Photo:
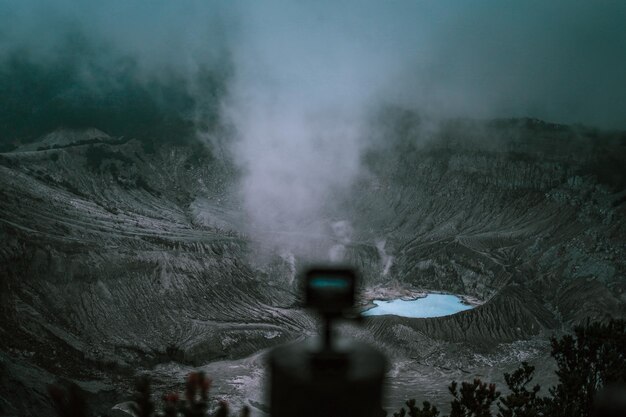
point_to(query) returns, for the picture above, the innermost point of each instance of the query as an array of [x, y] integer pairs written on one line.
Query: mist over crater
[[167, 171]]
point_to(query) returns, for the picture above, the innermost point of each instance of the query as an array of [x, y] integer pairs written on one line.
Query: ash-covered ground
[[119, 258]]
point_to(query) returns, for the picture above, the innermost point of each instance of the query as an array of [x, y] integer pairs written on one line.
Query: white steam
[[303, 84], [342, 231]]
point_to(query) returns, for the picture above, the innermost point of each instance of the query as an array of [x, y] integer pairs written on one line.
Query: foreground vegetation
[[592, 361], [591, 371]]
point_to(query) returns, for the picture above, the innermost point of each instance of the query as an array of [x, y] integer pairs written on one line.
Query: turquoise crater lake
[[433, 305]]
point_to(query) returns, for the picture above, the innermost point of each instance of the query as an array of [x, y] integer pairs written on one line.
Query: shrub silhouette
[[473, 399], [414, 411], [70, 402], [590, 360], [521, 402]]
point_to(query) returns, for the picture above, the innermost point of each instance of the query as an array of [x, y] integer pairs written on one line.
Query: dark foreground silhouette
[[591, 371]]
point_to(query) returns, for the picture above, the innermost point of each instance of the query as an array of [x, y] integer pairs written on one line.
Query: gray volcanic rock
[[61, 138], [119, 258]]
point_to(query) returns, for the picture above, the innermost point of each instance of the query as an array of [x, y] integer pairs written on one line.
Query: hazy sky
[[560, 60]]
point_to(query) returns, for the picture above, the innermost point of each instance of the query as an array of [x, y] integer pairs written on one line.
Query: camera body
[[332, 378], [307, 383]]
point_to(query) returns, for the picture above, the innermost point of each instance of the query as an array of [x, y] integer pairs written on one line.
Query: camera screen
[[331, 283]]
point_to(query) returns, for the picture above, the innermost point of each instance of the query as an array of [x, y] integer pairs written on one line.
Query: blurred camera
[[340, 376]]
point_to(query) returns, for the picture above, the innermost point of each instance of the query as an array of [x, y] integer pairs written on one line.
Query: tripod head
[[331, 293]]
